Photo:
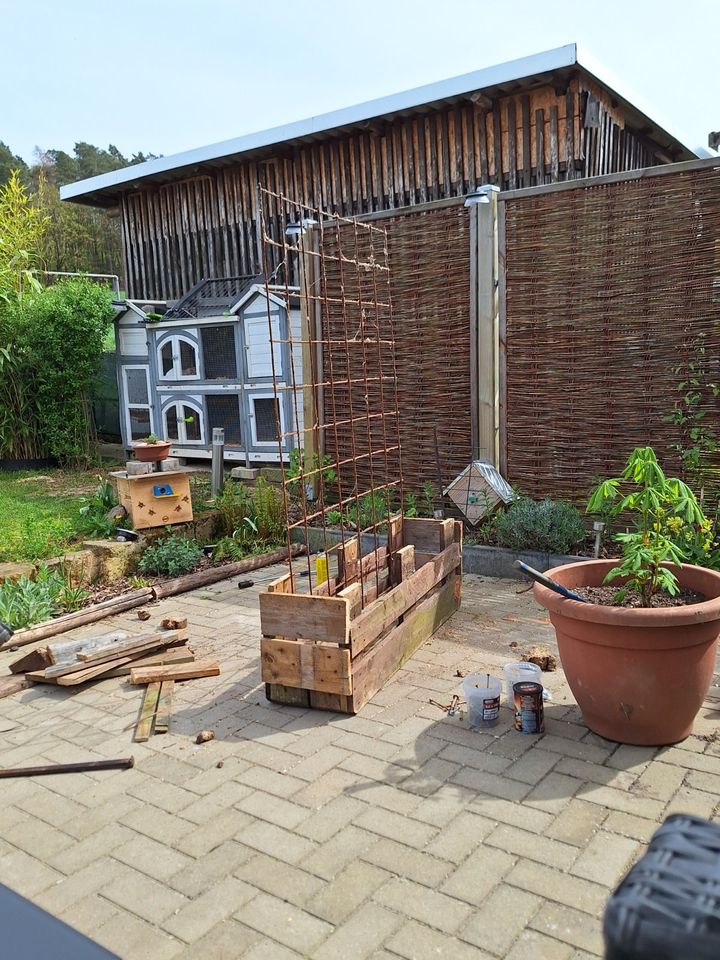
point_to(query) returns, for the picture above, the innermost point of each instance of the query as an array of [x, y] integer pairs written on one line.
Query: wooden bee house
[[156, 499]]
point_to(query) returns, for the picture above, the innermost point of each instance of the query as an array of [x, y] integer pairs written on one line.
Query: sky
[[169, 75]]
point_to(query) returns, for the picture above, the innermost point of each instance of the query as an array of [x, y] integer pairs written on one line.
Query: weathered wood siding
[[180, 233]]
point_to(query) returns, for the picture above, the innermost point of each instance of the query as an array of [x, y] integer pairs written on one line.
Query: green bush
[[171, 557], [268, 512], [94, 521], [550, 526], [24, 602]]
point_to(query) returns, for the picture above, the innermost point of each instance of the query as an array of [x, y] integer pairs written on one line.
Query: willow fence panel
[[612, 291]]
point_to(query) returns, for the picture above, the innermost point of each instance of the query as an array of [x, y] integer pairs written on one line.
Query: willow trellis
[[609, 290]]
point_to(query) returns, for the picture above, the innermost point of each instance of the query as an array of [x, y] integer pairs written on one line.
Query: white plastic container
[[519, 672], [482, 692]]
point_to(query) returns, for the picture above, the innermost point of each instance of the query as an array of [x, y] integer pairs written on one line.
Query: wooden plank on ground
[[161, 658], [304, 616], [131, 644], [377, 617], [89, 673], [144, 726], [308, 665], [13, 684], [179, 671], [330, 701], [289, 696], [36, 660], [162, 716], [64, 651], [373, 668], [62, 669]]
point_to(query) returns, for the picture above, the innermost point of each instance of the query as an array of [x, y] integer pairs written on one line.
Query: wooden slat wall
[[609, 290], [178, 234]]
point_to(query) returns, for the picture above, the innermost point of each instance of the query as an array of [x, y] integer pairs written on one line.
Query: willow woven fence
[[612, 292]]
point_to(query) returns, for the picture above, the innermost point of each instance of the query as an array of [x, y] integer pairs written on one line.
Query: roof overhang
[[502, 79]]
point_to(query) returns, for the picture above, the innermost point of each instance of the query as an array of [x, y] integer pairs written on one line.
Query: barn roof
[[501, 79]]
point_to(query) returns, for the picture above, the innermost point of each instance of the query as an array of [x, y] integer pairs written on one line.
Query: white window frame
[[136, 406], [252, 397], [196, 404], [176, 373]]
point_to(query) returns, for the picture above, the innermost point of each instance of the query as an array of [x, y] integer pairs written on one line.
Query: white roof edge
[[555, 59]]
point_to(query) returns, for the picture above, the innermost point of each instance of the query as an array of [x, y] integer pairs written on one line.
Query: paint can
[[529, 707]]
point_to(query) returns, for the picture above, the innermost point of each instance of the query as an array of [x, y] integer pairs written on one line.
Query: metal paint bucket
[[529, 712]]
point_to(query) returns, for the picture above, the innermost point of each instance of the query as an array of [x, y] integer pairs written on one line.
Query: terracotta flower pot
[[639, 675], [151, 452]]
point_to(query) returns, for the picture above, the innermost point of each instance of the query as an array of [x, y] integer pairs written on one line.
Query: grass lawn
[[39, 511]]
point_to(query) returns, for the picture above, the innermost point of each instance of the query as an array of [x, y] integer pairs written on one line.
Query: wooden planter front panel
[[325, 652]]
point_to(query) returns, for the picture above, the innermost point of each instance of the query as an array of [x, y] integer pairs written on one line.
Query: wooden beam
[[403, 564]]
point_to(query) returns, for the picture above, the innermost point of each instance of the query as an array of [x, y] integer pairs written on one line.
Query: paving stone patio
[[399, 833]]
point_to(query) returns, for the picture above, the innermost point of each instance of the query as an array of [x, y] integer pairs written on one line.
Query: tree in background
[[78, 238], [22, 231]]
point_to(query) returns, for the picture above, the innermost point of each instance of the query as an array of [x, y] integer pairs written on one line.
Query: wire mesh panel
[[341, 385], [218, 348], [224, 411]]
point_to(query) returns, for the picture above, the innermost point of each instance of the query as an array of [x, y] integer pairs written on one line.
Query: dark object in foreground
[[547, 582], [668, 905], [29, 933], [244, 584], [50, 769]]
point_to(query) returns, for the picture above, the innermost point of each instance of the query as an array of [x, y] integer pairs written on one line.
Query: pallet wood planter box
[[331, 652]]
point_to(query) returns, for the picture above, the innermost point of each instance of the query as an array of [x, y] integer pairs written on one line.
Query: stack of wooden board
[[336, 648], [72, 662]]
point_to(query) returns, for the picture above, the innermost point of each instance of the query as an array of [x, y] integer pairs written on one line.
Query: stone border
[[481, 560]]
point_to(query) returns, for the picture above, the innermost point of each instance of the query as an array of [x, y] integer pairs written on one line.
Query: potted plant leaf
[[640, 655], [151, 449]]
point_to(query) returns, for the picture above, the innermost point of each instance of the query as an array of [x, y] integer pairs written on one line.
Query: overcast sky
[[169, 75]]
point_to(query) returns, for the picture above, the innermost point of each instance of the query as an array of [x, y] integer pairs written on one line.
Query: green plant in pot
[[151, 449], [641, 667]]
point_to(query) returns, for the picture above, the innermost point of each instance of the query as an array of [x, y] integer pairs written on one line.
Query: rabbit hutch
[[208, 361]]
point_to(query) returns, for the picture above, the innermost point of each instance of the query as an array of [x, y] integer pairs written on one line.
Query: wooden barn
[[545, 118]]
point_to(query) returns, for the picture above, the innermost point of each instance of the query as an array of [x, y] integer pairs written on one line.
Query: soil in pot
[[606, 597]]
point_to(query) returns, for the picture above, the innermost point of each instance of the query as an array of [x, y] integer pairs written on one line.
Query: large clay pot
[[639, 675], [151, 452]]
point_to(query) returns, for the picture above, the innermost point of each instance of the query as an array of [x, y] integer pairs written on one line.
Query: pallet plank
[[306, 665], [304, 616], [180, 671], [144, 726], [373, 668], [377, 617], [162, 716]]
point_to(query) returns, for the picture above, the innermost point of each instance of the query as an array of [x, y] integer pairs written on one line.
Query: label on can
[[491, 709], [529, 712]]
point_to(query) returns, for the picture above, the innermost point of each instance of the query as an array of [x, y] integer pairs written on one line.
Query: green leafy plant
[[95, 521], [24, 602], [309, 471], [139, 583], [658, 507], [428, 499], [545, 525], [171, 556], [152, 439], [268, 513], [233, 504], [698, 440], [411, 506]]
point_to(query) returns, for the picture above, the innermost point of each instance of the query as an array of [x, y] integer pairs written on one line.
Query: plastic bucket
[[482, 693], [519, 672]]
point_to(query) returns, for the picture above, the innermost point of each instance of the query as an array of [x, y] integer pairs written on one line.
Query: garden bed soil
[[605, 597]]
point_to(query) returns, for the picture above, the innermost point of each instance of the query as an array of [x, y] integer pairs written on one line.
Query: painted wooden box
[[156, 499]]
